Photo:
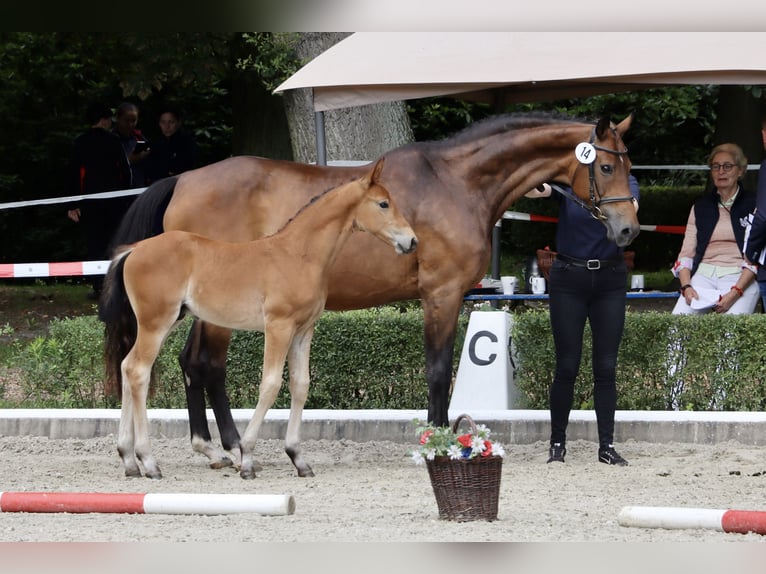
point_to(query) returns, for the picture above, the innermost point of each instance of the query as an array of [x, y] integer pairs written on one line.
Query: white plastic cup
[[636, 282], [509, 283], [538, 285]]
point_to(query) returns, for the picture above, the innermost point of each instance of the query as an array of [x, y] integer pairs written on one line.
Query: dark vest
[[706, 213]]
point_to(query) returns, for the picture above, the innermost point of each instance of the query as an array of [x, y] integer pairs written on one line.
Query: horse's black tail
[[120, 329], [144, 217]]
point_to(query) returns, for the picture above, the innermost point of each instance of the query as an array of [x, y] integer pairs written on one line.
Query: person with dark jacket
[[98, 164], [714, 274], [134, 144], [755, 237], [588, 282], [173, 153]]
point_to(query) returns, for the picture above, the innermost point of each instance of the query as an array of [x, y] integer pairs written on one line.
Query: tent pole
[[496, 230], [320, 138], [496, 249]]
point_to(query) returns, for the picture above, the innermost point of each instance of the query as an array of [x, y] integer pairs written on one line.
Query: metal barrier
[[545, 296]]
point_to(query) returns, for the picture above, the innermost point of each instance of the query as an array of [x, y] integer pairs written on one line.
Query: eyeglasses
[[725, 167]]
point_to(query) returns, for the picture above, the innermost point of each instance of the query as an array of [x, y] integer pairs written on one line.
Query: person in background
[[133, 142], [588, 281], [173, 153], [97, 164], [755, 236], [714, 274]]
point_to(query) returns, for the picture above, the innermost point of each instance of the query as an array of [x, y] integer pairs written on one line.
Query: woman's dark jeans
[[577, 294]]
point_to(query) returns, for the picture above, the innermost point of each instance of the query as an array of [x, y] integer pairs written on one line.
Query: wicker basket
[[466, 489]]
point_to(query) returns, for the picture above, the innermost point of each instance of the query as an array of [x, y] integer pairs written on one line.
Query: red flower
[[426, 435], [465, 440], [487, 449]]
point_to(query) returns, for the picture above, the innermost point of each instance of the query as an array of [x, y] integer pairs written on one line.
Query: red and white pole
[[151, 503], [739, 521]]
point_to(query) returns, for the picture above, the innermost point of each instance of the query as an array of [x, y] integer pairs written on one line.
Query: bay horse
[[451, 191], [276, 284]]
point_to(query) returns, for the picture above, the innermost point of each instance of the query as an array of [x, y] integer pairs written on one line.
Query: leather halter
[[595, 196]]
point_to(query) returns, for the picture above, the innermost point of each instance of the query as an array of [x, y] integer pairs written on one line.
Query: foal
[[277, 285]]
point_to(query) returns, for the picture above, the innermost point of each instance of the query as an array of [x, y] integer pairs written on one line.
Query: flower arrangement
[[445, 441]]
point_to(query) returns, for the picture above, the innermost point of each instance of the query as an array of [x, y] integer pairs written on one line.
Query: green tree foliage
[[48, 81], [272, 56], [671, 125]]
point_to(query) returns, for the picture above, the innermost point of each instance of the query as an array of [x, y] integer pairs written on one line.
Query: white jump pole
[[739, 521], [147, 503]]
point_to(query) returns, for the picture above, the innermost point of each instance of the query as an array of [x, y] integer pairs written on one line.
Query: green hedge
[[374, 359], [359, 359], [708, 362]]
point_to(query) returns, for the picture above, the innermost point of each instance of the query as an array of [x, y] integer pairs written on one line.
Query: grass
[[27, 308]]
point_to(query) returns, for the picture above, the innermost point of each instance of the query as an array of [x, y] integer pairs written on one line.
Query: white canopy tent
[[508, 67]]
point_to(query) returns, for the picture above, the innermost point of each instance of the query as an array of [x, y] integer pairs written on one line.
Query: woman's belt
[[592, 264]]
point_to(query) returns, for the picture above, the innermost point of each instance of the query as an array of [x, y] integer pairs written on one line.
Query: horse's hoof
[[133, 473], [223, 462], [305, 472], [247, 475], [156, 475]]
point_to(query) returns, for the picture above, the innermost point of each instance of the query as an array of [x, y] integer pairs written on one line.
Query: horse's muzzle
[[407, 245]]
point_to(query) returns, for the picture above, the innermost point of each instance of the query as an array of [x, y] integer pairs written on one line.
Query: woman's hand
[[689, 293], [726, 301]]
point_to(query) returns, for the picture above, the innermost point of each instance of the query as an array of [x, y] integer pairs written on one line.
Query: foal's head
[[377, 213]]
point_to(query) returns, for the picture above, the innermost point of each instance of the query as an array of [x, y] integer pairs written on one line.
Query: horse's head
[[600, 178], [377, 214]]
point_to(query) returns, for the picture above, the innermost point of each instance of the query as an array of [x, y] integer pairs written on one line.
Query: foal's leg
[[125, 436], [298, 361], [274, 354], [137, 370]]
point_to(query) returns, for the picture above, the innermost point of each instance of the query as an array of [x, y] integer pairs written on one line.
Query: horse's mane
[[502, 123], [308, 204]]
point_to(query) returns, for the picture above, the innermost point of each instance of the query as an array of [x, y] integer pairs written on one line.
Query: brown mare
[[276, 285], [452, 192]]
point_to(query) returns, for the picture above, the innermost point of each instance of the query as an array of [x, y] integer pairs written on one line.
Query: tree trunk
[[739, 121], [360, 133]]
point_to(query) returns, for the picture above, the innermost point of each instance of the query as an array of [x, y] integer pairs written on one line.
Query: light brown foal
[[277, 285]]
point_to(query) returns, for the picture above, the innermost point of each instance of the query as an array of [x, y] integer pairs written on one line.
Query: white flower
[[477, 444], [431, 453], [483, 431], [454, 452], [418, 458], [498, 449]]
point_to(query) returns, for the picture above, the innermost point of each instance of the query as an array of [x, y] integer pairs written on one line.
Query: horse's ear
[[376, 171], [601, 127], [623, 126]]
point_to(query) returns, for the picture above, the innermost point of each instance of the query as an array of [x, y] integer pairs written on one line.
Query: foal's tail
[[120, 329]]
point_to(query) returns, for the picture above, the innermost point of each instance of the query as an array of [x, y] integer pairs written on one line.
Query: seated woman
[[713, 272]]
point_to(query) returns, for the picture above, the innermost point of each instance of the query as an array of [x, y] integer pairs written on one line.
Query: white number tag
[[585, 153]]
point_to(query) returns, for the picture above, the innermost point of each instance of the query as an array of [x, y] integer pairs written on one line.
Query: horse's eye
[[607, 169], [383, 204]]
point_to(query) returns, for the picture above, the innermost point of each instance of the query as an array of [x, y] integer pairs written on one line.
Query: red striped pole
[[151, 503], [735, 521], [520, 216]]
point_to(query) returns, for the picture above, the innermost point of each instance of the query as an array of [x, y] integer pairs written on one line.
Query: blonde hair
[[733, 150]]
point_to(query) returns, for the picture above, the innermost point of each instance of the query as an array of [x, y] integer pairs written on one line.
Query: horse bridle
[[595, 196]]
